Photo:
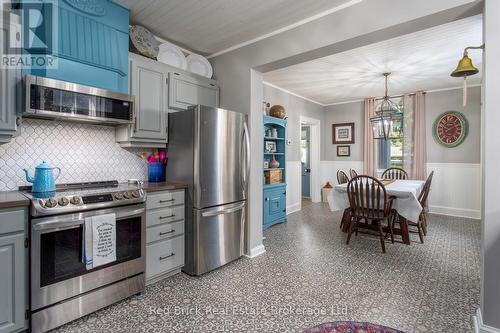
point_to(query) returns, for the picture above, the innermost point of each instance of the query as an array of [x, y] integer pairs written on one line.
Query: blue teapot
[[44, 180]]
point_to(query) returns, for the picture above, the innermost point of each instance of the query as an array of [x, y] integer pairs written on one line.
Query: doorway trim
[[315, 148]]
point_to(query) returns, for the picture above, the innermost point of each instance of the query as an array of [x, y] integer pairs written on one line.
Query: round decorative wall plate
[[450, 129]]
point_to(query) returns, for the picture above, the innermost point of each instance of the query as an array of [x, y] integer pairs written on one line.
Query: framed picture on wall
[[343, 133], [343, 151], [270, 146]]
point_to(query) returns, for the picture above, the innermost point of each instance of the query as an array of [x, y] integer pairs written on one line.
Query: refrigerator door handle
[[246, 171], [218, 211]]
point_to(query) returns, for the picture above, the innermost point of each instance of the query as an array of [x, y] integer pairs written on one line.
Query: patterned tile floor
[[309, 276]]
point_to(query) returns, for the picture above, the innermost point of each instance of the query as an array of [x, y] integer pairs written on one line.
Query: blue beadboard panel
[[92, 45]]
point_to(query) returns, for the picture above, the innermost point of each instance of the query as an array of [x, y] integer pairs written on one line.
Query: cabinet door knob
[[267, 199]]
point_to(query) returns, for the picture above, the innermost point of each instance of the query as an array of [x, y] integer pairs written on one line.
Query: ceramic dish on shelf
[[144, 41], [172, 55], [199, 65]]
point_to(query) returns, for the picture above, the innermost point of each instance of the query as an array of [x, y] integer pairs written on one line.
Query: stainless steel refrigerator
[[208, 149]]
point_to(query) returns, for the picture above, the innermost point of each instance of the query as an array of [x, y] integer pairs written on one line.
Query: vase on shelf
[[274, 163]]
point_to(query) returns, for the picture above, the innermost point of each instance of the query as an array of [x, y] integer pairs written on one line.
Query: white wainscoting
[[456, 187], [293, 186], [329, 170]]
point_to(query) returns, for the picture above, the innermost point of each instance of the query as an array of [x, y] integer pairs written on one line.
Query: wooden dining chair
[[353, 173], [342, 177], [370, 208], [421, 224], [422, 198], [394, 173]]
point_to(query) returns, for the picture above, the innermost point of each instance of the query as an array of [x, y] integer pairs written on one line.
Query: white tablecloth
[[405, 191]]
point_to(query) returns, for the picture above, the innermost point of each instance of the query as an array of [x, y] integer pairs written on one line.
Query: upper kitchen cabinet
[[189, 89], [159, 89], [92, 44], [9, 80], [148, 84]]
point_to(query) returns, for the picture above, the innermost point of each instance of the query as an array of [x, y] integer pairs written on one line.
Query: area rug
[[350, 327]]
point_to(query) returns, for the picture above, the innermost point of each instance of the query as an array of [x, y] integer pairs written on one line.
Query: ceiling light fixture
[[466, 68], [387, 122]]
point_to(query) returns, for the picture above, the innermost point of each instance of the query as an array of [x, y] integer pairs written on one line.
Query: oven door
[[57, 272]]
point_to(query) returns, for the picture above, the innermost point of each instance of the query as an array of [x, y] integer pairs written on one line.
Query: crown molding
[[288, 27], [292, 93]]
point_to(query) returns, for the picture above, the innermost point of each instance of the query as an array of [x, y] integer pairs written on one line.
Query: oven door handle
[[74, 220]]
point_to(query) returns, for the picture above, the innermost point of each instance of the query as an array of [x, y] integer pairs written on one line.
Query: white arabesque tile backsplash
[[83, 152]]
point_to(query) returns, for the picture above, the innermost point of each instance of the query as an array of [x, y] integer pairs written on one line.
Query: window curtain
[[414, 145], [369, 144]]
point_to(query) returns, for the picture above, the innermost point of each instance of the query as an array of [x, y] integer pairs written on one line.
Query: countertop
[[12, 199], [162, 186]]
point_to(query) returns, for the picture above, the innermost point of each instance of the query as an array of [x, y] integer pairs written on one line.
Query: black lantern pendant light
[[388, 120]]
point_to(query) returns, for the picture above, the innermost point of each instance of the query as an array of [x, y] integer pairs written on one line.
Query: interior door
[[305, 157], [221, 168]]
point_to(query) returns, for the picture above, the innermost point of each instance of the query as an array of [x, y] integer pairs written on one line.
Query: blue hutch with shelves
[[274, 177]]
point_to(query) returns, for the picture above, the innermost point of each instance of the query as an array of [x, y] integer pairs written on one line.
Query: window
[[390, 152]]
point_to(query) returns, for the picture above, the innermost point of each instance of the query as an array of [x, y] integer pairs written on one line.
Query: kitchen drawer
[[12, 220], [164, 231], [164, 256], [164, 199], [164, 215]]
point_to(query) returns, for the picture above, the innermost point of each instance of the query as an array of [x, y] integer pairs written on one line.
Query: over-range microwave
[[55, 99]]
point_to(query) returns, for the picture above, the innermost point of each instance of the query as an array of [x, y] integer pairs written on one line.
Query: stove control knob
[[75, 200], [50, 203], [118, 196], [127, 195], [135, 194], [63, 201]]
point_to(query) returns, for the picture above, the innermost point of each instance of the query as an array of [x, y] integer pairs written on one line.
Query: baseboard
[[480, 327], [294, 208], [458, 212], [256, 251]]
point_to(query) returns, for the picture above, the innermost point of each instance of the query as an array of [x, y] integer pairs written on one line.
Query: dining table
[[405, 194]]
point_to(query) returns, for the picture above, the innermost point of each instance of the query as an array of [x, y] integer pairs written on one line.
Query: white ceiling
[[418, 61], [210, 26]]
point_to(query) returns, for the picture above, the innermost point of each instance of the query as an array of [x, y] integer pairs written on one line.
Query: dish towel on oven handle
[[99, 240]]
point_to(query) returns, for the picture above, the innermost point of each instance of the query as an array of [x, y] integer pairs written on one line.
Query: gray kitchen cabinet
[[148, 84], [9, 80], [159, 89], [189, 89], [164, 234], [13, 271]]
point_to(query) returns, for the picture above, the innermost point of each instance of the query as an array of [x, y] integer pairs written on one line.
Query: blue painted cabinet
[[92, 44], [274, 205], [274, 150]]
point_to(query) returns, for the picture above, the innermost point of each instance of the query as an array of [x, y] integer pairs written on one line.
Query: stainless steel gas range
[[62, 287]]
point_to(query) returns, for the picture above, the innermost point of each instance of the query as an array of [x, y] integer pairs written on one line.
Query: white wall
[[490, 277], [295, 108], [448, 196], [340, 31]]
